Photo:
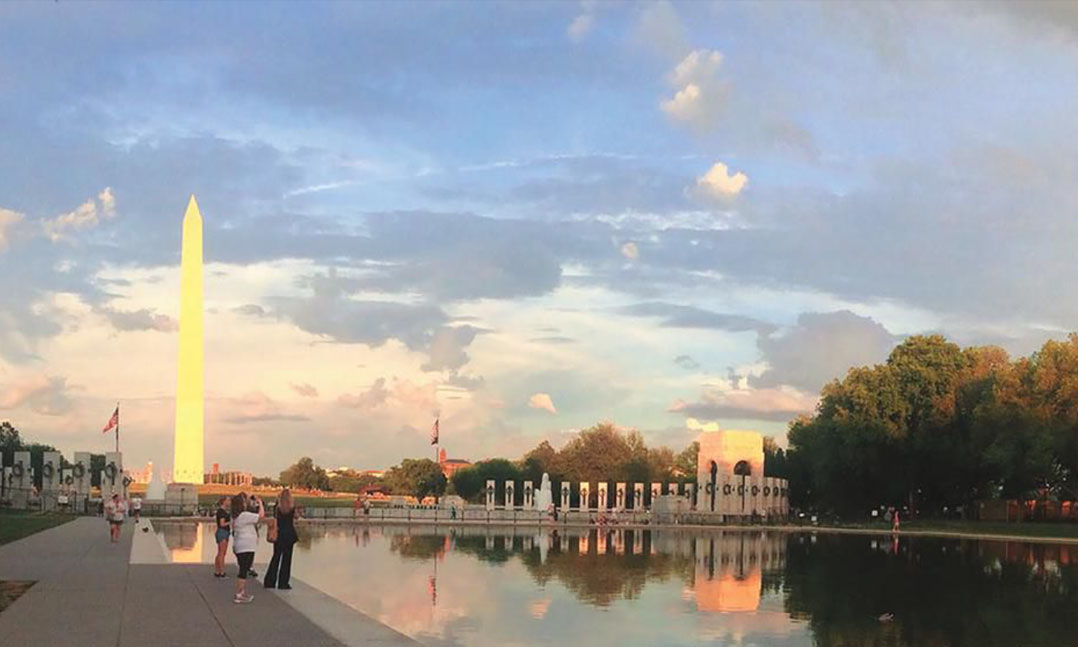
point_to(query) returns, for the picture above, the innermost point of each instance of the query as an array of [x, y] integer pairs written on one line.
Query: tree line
[[938, 426]]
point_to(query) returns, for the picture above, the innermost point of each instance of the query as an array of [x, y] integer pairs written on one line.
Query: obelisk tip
[[192, 208]]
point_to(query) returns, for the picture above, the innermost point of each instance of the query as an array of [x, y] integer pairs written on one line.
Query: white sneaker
[[243, 599]]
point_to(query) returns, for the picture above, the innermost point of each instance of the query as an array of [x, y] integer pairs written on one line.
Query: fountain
[[543, 500], [155, 491]]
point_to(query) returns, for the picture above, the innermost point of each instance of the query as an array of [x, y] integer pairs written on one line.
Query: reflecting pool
[[504, 586]]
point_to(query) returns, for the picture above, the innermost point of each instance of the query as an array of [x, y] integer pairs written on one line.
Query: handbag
[[271, 531]]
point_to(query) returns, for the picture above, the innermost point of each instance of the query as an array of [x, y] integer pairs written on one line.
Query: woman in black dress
[[280, 566]]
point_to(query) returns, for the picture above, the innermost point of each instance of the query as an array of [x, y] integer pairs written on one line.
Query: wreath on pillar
[[17, 470], [741, 490], [755, 490], [47, 471], [709, 488], [110, 472], [490, 491], [767, 490], [128, 481], [68, 480], [79, 470], [726, 489], [565, 491]]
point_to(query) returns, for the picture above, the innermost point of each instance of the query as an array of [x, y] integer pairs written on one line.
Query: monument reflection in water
[[523, 586]]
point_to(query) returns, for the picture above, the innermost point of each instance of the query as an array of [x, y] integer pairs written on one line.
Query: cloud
[[85, 216], [630, 251], [446, 349], [250, 310], [258, 407], [542, 401], [580, 27], [682, 316], [782, 403], [686, 362], [9, 220], [366, 400], [142, 319], [305, 390], [660, 28], [40, 393], [719, 183], [821, 347], [700, 95]]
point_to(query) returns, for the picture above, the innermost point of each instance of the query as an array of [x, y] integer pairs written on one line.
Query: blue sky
[[523, 218]]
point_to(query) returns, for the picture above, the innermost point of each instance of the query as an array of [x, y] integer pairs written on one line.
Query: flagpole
[[117, 427]]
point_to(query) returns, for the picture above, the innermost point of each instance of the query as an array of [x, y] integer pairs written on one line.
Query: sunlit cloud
[[85, 216], [719, 183], [542, 401]]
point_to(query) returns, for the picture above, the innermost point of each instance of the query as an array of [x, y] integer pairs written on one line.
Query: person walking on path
[[136, 508], [223, 521], [245, 542], [115, 510], [895, 522], [284, 538]]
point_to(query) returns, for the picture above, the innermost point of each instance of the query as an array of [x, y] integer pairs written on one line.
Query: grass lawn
[[16, 525]]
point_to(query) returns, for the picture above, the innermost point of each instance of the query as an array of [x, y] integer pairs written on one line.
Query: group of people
[[238, 518]]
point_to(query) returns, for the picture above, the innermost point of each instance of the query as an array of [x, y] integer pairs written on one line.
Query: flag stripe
[[113, 421]]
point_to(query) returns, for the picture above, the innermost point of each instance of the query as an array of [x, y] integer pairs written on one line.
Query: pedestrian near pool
[[284, 538], [245, 541], [115, 510], [223, 521], [895, 521], [136, 508]]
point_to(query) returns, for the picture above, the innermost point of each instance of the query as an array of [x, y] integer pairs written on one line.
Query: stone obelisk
[[187, 451]]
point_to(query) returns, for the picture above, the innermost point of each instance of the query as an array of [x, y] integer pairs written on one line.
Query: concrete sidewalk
[[88, 594]]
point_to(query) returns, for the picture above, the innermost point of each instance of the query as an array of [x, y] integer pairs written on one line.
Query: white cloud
[[781, 403], [86, 215], [542, 401], [630, 251], [700, 93], [580, 27], [719, 183], [8, 221], [661, 28], [700, 66]]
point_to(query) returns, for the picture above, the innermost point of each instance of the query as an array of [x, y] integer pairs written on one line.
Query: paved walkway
[[88, 595]]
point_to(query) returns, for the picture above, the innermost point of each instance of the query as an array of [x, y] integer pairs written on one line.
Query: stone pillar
[[619, 489], [508, 495], [638, 496], [80, 479], [22, 480], [490, 494], [656, 491], [50, 479], [603, 502], [566, 491], [585, 494], [112, 477], [529, 496]]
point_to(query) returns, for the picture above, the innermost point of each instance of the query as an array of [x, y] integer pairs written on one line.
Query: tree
[[422, 477], [467, 483], [352, 481], [685, 463], [538, 461], [306, 475], [596, 454]]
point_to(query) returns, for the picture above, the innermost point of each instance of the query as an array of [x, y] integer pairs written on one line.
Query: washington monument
[[187, 450]]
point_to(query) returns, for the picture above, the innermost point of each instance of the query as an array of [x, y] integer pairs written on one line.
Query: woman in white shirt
[[245, 542]]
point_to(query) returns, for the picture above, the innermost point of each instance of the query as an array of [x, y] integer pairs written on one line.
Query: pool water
[[525, 586]]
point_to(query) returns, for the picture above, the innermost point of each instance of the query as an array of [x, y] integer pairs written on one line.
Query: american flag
[[114, 420], [434, 433]]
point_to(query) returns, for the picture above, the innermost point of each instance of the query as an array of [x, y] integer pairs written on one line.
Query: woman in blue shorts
[[223, 521]]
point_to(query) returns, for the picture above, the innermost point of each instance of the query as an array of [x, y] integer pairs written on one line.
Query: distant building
[[217, 477], [451, 465]]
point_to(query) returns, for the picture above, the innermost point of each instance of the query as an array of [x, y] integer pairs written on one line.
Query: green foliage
[[11, 441], [420, 478], [467, 483], [939, 426], [306, 475]]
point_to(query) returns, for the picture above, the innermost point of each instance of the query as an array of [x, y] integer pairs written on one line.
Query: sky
[[521, 219]]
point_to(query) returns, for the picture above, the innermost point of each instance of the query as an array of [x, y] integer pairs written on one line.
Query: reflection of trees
[[423, 547], [594, 578], [940, 592]]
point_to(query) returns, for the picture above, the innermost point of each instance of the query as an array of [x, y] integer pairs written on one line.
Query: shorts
[[221, 535], [245, 560], [115, 522]]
